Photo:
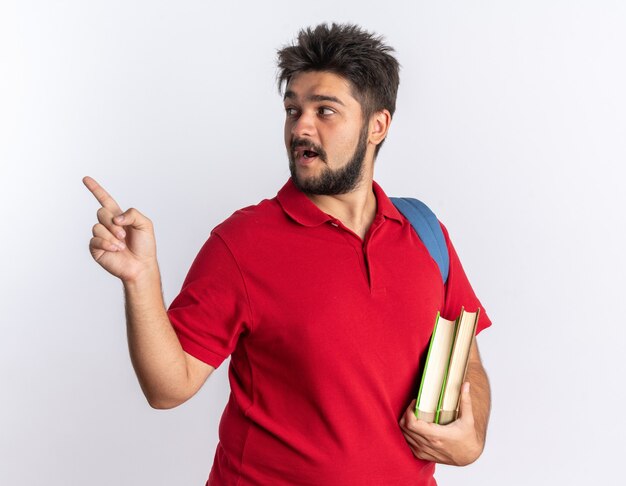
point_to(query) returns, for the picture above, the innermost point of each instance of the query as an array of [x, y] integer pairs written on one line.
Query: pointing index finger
[[103, 197]]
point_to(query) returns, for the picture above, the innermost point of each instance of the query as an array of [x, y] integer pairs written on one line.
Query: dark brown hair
[[350, 52]]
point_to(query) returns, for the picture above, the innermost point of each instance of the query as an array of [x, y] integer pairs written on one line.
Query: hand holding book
[[461, 441], [457, 444]]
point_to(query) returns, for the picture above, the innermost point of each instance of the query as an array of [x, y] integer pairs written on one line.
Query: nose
[[303, 126]]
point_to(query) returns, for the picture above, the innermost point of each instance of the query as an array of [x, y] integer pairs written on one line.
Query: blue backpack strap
[[427, 227]]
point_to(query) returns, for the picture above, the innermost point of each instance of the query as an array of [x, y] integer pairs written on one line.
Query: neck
[[356, 209]]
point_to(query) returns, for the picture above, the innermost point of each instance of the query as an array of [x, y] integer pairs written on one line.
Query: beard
[[331, 182]]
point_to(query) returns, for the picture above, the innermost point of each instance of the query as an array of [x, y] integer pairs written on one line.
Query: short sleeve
[[212, 309], [459, 292]]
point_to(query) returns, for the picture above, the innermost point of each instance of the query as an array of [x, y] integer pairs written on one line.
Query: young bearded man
[[323, 297]]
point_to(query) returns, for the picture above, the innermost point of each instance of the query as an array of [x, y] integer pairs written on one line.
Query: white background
[[511, 124]]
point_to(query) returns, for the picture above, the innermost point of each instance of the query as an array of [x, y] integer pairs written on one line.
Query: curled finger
[[101, 241], [416, 438], [419, 448], [105, 217], [425, 456], [101, 231]]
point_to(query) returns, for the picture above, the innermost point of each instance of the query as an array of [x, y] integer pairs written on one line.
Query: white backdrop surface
[[510, 124]]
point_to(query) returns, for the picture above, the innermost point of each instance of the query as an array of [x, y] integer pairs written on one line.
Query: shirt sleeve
[[212, 309], [459, 292]]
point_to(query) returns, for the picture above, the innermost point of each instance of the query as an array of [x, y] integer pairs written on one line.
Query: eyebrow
[[290, 95]]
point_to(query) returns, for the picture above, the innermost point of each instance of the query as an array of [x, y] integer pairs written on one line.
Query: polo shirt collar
[[302, 210], [384, 206]]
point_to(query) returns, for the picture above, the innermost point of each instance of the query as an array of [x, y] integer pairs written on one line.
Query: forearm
[[155, 351], [481, 394]]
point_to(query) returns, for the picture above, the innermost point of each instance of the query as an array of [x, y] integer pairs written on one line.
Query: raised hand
[[123, 242]]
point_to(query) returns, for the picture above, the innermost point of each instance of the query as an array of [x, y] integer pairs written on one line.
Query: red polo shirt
[[326, 333]]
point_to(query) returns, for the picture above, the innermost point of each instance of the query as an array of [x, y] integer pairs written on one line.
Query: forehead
[[315, 84]]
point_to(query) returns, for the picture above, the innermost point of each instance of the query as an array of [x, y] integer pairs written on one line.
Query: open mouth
[[309, 154], [305, 151]]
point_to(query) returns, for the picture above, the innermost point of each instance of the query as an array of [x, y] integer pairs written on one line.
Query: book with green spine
[[435, 369]]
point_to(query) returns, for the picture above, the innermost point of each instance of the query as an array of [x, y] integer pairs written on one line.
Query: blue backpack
[[427, 227]]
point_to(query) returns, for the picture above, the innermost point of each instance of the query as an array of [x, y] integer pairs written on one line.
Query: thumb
[[465, 407], [132, 217]]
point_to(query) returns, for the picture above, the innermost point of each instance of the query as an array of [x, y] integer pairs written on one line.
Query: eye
[[291, 112], [325, 111]]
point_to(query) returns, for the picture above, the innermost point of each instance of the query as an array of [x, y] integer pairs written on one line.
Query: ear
[[379, 126]]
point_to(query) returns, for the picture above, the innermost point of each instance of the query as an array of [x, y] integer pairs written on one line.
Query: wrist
[[144, 278], [472, 451]]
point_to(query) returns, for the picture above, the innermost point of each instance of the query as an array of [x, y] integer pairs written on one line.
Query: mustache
[[303, 142]]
